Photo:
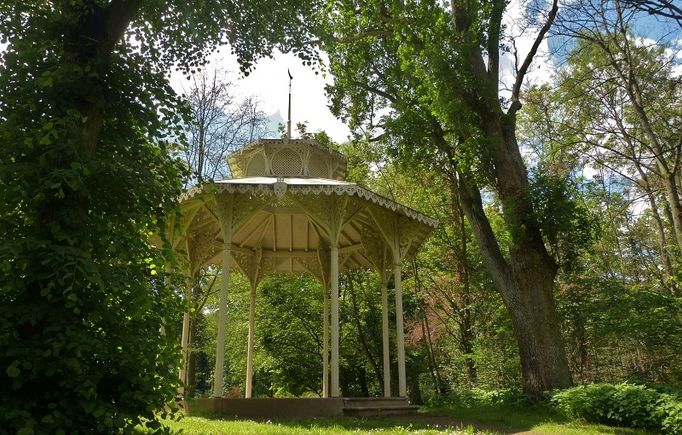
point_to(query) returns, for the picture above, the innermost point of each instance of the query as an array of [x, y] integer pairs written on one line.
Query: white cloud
[[541, 69]]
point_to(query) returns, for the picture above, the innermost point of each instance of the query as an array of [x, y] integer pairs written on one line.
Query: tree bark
[[526, 279], [526, 284]]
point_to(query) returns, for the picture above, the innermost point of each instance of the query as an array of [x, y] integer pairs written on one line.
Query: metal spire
[[288, 137]]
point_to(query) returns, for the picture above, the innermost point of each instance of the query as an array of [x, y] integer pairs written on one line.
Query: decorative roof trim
[[234, 186]]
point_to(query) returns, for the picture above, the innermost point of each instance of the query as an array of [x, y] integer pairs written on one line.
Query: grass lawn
[[327, 426], [538, 419], [451, 420]]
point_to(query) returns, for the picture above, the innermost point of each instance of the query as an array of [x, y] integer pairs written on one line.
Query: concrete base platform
[[266, 408], [377, 406], [299, 408]]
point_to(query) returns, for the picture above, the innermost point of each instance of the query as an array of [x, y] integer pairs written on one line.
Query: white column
[[226, 224], [334, 278], [325, 340], [184, 344], [249, 350], [400, 333], [222, 313], [385, 337]]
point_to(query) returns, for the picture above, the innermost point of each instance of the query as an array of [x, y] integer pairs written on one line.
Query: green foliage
[[290, 325], [82, 290], [567, 225], [671, 408], [479, 397], [616, 332], [623, 404], [620, 320], [89, 129]]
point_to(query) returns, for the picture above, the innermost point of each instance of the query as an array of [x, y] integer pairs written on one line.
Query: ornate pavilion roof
[[284, 215]]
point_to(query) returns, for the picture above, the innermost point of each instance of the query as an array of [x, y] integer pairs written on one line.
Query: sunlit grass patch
[[203, 425], [536, 418], [579, 428]]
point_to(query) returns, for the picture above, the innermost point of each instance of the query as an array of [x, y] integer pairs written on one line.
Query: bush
[[671, 410], [623, 404], [478, 397]]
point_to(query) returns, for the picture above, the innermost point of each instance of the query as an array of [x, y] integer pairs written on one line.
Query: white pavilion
[[287, 209]]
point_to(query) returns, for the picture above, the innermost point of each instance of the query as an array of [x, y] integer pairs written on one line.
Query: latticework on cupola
[[287, 158]]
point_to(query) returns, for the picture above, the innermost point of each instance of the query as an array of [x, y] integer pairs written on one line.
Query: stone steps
[[377, 406]]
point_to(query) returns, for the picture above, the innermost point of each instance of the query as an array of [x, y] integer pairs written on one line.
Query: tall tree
[[661, 8], [221, 123], [87, 123], [618, 104], [433, 74]]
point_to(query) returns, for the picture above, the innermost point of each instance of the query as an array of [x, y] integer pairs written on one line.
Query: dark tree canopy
[[89, 129]]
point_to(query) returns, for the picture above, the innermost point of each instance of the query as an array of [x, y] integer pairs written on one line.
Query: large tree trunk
[[526, 284], [526, 279], [543, 360]]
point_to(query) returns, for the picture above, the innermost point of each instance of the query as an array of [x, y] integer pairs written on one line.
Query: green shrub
[[478, 397], [671, 411], [623, 404]]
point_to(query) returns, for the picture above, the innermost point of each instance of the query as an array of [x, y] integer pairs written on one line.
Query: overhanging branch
[[521, 74]]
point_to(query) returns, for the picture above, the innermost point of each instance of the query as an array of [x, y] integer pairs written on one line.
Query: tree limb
[[521, 74]]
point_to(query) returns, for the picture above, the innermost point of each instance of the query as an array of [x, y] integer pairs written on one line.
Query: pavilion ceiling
[[286, 232]]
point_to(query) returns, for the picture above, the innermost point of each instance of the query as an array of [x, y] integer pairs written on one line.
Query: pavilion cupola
[[305, 158]]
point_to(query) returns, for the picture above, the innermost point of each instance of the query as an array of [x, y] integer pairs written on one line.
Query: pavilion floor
[[265, 408]]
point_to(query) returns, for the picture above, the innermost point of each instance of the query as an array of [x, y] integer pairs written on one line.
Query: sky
[[269, 83]]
